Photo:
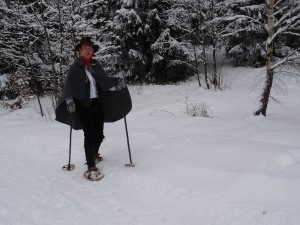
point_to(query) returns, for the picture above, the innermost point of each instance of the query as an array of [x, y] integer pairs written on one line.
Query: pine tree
[[171, 60], [96, 21], [245, 38], [130, 32], [198, 23], [185, 19], [138, 25], [20, 40], [36, 38]]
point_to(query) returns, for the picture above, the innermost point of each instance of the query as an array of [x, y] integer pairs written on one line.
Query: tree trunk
[[269, 63], [61, 39], [56, 91], [54, 74], [215, 77], [197, 65], [33, 79], [73, 30], [205, 68]]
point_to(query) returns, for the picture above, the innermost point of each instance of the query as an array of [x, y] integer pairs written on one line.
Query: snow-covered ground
[[231, 169]]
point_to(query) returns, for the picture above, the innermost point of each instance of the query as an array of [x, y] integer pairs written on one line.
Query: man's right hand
[[120, 85], [71, 107]]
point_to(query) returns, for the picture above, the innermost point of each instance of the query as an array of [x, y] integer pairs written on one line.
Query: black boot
[[97, 156], [89, 155]]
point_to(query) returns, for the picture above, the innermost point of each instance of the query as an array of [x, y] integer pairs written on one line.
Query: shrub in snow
[[20, 83], [14, 104], [3, 86], [17, 88], [197, 108], [137, 66]]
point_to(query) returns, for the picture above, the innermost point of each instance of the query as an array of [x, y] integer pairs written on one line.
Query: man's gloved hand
[[120, 85], [71, 107]]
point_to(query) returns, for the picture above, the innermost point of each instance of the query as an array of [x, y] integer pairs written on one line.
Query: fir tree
[[171, 60], [245, 38]]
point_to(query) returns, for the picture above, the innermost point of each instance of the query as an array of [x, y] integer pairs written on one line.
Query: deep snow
[[232, 169]]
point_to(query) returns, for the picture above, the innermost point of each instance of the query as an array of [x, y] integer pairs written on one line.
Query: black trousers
[[92, 117]]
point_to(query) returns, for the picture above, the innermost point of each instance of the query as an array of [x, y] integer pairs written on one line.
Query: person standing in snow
[[89, 99]]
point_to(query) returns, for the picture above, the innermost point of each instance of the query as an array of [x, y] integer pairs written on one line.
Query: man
[[89, 99]]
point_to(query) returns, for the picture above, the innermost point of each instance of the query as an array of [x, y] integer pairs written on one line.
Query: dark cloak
[[117, 104]]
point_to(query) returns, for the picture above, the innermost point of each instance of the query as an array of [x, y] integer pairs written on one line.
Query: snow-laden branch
[[288, 18], [232, 33], [289, 58], [280, 11], [277, 3], [236, 17], [293, 33], [272, 38], [284, 29], [231, 28]]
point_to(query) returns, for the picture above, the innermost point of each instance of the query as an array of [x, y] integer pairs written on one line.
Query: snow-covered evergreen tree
[[133, 32], [197, 22], [185, 22], [138, 26], [171, 60], [244, 37], [20, 41], [96, 22]]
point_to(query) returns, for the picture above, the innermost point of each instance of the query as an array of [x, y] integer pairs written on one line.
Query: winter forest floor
[[232, 168]]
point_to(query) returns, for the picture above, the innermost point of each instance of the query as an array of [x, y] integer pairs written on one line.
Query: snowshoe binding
[[98, 158], [93, 174]]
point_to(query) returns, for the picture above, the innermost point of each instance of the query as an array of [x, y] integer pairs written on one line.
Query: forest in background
[[145, 41]]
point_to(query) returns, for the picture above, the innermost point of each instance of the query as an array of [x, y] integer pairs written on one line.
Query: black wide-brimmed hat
[[86, 41]]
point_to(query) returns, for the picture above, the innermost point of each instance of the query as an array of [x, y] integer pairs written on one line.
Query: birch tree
[[281, 23], [283, 20]]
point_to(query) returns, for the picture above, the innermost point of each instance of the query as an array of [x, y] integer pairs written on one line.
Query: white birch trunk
[[269, 62]]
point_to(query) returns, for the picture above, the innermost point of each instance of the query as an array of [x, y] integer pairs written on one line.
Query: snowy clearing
[[231, 169]]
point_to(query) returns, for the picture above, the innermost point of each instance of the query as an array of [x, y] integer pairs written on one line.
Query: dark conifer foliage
[[171, 60], [138, 25], [245, 41], [246, 32]]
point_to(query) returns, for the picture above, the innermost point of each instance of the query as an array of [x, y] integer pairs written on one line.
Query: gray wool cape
[[117, 104]]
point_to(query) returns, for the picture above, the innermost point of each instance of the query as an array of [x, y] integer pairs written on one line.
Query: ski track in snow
[[161, 189]]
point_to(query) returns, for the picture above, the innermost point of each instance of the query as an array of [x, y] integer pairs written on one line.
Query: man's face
[[86, 51]]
